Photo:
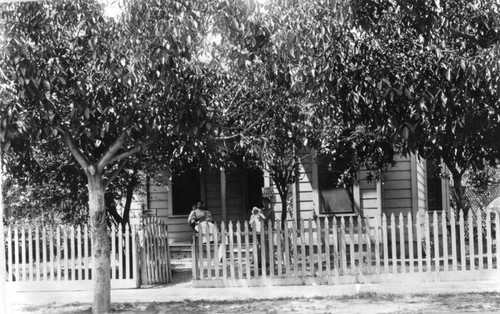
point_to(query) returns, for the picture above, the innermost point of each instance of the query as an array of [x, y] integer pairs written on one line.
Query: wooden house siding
[[158, 200], [397, 187]]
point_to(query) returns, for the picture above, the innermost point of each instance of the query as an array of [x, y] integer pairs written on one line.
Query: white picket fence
[[349, 250], [60, 257]]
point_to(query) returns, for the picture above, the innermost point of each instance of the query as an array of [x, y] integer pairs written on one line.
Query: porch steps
[[180, 250]]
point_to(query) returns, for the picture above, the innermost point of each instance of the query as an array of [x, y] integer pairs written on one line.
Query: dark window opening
[[434, 189], [335, 197], [185, 191], [255, 184]]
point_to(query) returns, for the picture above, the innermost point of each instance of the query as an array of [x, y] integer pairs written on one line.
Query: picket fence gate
[[354, 249], [59, 257]]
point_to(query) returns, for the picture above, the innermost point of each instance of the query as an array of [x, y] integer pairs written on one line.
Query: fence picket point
[[79, 247], [319, 247], [58, 248], [394, 244], [361, 255], [385, 242], [435, 225], [444, 231], [270, 230], [247, 250], [38, 253], [489, 258], [369, 251], [30, 258], [351, 247], [312, 257], [224, 257], [327, 247], [336, 258], [480, 239], [66, 253], [418, 226], [51, 248], [453, 241], [497, 240], [23, 252], [128, 270], [238, 243], [303, 257], [113, 252], [231, 250], [44, 253], [217, 253], [279, 249], [73, 254], [10, 265], [402, 243], [286, 250], [135, 257], [410, 242], [472, 258], [343, 249], [428, 252], [295, 245], [87, 267], [463, 261]]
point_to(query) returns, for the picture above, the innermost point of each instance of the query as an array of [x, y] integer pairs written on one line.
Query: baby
[[257, 218]]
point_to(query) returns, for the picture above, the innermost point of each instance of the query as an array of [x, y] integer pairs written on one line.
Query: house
[[411, 186]]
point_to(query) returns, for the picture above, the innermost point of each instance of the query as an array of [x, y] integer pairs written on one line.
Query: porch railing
[[348, 249]]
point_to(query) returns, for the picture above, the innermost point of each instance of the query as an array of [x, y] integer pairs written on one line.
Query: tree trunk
[[101, 247], [128, 200], [459, 191]]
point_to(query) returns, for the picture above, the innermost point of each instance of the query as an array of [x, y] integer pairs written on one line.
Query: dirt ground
[[362, 303], [359, 303]]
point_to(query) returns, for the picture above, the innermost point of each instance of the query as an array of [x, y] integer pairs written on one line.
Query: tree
[[103, 89], [441, 61]]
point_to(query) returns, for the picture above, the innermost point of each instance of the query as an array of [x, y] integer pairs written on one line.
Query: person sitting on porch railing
[[199, 214]]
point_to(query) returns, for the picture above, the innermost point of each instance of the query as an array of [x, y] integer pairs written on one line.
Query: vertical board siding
[[335, 247]]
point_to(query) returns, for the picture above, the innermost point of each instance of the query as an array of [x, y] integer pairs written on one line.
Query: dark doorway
[[255, 184], [185, 191]]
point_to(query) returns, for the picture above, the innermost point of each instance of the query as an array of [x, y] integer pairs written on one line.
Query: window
[[333, 196], [185, 191]]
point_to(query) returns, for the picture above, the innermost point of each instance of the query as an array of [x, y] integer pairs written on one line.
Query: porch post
[[223, 196], [315, 187]]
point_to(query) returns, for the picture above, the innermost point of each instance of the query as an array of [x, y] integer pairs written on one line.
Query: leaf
[[448, 74], [86, 113]]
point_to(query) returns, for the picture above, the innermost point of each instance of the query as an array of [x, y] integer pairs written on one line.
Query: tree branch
[[115, 173], [112, 150], [137, 148], [75, 151]]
